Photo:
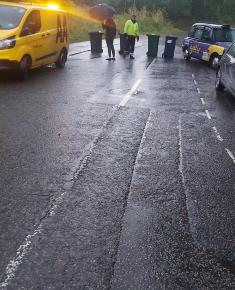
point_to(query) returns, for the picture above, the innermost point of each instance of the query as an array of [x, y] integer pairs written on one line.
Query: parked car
[[208, 42], [225, 76], [32, 35]]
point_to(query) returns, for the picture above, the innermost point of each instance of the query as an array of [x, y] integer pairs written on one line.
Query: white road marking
[[230, 154], [130, 93], [21, 252], [152, 63], [198, 90], [217, 134], [208, 114], [181, 152], [141, 146], [203, 101], [195, 82], [193, 76]]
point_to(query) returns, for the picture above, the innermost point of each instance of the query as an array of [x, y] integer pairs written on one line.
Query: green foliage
[[149, 22], [194, 10]]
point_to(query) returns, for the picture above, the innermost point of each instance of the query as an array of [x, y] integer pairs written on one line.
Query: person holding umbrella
[[131, 31], [110, 33], [104, 13]]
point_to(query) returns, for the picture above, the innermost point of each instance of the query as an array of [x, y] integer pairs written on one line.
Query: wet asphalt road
[[100, 196]]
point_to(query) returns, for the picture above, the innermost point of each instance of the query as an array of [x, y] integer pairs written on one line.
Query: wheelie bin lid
[[96, 32]]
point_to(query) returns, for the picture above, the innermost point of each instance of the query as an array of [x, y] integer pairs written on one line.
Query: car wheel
[[60, 63], [218, 84], [214, 61], [24, 68], [186, 54]]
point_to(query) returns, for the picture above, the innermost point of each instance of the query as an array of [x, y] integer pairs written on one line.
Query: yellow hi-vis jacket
[[131, 28]]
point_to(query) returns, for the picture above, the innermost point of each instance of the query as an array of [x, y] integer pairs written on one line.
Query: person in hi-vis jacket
[[131, 31]]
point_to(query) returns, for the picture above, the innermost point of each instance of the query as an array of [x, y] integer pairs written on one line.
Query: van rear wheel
[[60, 63], [24, 68]]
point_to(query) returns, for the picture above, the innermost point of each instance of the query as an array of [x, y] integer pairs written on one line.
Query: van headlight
[[8, 43]]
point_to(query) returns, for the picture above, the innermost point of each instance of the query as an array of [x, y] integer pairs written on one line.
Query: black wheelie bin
[[123, 44], [96, 42], [153, 41], [170, 44]]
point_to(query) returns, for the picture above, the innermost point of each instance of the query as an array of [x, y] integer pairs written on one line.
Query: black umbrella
[[102, 12]]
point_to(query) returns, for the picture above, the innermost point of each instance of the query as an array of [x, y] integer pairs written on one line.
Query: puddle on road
[[139, 93], [118, 91]]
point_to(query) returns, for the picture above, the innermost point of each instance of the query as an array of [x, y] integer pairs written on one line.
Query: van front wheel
[[24, 68], [60, 63]]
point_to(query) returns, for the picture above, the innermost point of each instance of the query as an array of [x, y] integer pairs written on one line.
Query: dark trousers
[[110, 46], [131, 44]]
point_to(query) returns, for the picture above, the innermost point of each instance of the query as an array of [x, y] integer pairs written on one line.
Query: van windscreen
[[10, 16]]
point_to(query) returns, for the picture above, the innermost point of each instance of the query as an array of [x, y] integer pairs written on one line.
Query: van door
[[49, 27], [62, 31], [54, 25], [32, 38]]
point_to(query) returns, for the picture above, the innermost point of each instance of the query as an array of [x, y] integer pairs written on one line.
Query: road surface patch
[[81, 239], [156, 249], [218, 136], [213, 214]]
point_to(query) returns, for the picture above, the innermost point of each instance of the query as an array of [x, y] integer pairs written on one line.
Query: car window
[[32, 24], [198, 33], [224, 35], [10, 16], [191, 32], [206, 35], [231, 51]]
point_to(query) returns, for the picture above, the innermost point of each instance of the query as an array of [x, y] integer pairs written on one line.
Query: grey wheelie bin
[[96, 42], [170, 44], [153, 41]]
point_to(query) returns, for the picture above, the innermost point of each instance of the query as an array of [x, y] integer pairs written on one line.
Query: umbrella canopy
[[102, 12]]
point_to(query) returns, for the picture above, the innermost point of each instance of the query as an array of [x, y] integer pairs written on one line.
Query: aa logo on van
[[62, 32]]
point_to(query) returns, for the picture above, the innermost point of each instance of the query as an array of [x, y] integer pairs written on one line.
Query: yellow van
[[32, 36]]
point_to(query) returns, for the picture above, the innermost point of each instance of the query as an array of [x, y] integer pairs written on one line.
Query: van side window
[[32, 24], [198, 33]]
